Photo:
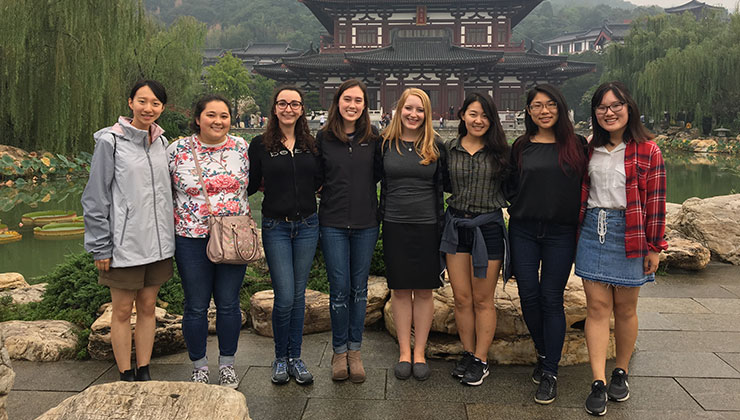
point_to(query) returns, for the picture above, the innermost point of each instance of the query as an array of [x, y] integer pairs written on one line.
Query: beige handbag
[[233, 239]]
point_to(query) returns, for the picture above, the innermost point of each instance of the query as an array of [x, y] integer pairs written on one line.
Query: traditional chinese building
[[445, 47], [594, 39], [697, 8]]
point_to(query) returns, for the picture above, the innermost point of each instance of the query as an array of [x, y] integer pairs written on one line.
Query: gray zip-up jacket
[[127, 201]]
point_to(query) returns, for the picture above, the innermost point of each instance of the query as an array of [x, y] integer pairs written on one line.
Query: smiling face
[[146, 108], [611, 121], [288, 115], [543, 110], [476, 121], [351, 104], [214, 122], [412, 115]]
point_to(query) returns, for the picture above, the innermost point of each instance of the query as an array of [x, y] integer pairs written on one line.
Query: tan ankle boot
[[356, 370], [339, 367]]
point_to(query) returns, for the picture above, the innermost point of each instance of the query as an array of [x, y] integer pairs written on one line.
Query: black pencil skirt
[[411, 254]]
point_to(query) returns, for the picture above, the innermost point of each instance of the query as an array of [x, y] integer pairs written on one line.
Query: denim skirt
[[601, 256]]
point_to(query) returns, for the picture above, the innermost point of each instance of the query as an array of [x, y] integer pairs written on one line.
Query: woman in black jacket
[[348, 146]]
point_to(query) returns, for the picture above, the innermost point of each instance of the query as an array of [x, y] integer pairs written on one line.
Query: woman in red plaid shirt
[[621, 234]]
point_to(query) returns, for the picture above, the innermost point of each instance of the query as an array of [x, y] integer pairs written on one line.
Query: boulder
[[715, 223], [703, 145], [167, 335], [212, 317], [671, 214], [317, 316], [684, 253], [7, 377], [40, 341], [12, 281], [516, 350], [510, 322], [152, 400], [512, 343], [23, 295]]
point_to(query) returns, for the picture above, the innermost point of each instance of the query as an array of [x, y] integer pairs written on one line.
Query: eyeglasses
[[615, 107], [295, 105], [538, 106]]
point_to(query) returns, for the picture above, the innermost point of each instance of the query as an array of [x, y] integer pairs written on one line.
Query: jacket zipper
[[125, 223], [154, 196], [349, 207], [295, 183]]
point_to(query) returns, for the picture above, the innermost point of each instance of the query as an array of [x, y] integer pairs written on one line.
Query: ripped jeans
[[347, 253], [289, 251]]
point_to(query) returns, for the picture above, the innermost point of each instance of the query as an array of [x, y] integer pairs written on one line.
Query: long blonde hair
[[424, 143]]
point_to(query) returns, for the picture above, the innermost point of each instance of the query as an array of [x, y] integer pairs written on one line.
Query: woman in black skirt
[[411, 210]]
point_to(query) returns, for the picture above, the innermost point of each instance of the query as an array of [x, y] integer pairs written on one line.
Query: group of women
[[599, 203]]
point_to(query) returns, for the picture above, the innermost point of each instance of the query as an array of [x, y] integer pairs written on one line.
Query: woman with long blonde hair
[[412, 212]]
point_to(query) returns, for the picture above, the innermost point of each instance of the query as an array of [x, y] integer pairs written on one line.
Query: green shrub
[[175, 124]]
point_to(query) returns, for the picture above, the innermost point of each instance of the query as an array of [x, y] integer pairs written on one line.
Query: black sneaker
[[548, 389], [537, 372], [619, 389], [462, 365], [596, 400], [476, 373]]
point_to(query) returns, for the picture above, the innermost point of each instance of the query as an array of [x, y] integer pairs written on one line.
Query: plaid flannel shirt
[[645, 188]]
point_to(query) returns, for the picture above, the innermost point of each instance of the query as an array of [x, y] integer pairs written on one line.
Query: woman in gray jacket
[[129, 227]]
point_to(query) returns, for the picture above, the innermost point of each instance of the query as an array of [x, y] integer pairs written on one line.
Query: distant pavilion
[[447, 48]]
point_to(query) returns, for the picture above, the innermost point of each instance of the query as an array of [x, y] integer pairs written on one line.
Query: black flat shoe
[[402, 370]]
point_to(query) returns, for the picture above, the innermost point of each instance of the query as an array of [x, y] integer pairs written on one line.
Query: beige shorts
[[138, 276]]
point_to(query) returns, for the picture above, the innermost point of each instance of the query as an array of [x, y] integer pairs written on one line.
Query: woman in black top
[[284, 161], [410, 203], [349, 227], [549, 162]]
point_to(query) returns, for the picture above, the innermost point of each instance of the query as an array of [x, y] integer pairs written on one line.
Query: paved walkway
[[687, 366]]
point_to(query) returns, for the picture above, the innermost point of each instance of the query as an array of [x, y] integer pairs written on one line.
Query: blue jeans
[[200, 279], [289, 251], [347, 253], [541, 294]]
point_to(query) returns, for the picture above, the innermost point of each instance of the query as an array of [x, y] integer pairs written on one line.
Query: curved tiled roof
[[318, 62], [516, 61], [424, 51]]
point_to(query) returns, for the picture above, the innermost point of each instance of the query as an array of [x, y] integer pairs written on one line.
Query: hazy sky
[[727, 4]]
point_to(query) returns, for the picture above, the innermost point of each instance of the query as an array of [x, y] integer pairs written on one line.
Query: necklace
[[410, 147]]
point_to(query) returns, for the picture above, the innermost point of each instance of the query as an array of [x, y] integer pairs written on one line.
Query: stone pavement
[[686, 366]]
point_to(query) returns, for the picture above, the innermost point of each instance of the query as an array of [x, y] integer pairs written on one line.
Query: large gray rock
[[684, 253], [512, 343], [40, 341], [7, 377], [317, 316], [715, 223], [12, 281], [24, 295], [167, 334], [152, 400], [672, 211]]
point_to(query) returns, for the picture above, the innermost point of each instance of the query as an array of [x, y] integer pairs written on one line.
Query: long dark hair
[[157, 89], [570, 149], [200, 105], [494, 138], [335, 122], [272, 137], [634, 130]]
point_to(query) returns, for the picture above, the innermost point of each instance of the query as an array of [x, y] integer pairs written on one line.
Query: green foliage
[[174, 123], [261, 89], [578, 91], [679, 64], [66, 67], [235, 23], [230, 78]]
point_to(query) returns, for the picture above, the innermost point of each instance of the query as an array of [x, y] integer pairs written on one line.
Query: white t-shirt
[[608, 178]]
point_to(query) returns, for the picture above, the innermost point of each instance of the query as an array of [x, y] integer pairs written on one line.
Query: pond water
[[688, 175]]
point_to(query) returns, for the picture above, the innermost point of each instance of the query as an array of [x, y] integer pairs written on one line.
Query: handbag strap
[[200, 178], [200, 173]]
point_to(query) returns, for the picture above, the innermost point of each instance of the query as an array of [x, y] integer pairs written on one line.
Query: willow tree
[[65, 67], [676, 63]]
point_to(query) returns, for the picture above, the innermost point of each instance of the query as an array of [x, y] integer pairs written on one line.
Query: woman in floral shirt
[[225, 169]]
